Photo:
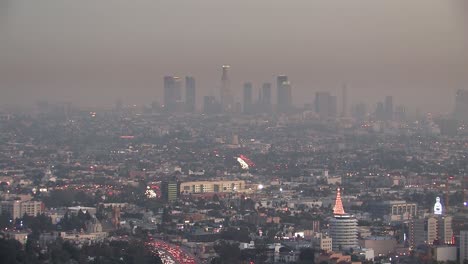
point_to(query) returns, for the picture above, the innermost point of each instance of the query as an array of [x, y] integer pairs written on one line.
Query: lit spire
[[338, 209]]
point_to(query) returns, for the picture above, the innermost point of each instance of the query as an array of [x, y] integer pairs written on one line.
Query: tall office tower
[[170, 190], [431, 230], [343, 227], [119, 105], [248, 104], [172, 93], [344, 101], [265, 101], [333, 107], [388, 108], [169, 93], [445, 230], [211, 106], [461, 105], [416, 232], [325, 105], [463, 246], [227, 97], [448, 127], [359, 111], [190, 95], [400, 113], [380, 111], [284, 94]]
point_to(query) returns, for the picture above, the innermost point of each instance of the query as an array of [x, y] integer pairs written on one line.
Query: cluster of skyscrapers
[[325, 104], [173, 94], [173, 99]]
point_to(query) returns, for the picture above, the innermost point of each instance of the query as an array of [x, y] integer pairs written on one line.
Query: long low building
[[212, 186]]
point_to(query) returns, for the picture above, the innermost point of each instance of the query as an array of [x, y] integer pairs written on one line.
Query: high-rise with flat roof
[[344, 101], [388, 108], [265, 98], [284, 93], [463, 246], [461, 105], [325, 105], [170, 190], [248, 104], [172, 93], [190, 94]]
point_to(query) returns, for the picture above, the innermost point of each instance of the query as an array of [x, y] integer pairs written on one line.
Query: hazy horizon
[[94, 52]]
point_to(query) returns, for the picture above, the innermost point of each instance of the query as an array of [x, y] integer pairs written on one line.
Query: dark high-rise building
[[333, 107], [172, 93], [448, 127], [325, 105], [388, 108], [248, 104], [400, 113], [170, 190], [210, 105], [460, 112], [359, 111], [265, 98], [190, 95], [284, 94], [380, 111], [344, 101], [227, 98]]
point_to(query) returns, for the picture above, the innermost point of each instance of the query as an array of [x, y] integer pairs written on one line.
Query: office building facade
[[284, 93], [190, 94]]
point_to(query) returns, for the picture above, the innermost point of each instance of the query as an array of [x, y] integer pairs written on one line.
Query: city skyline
[[375, 48], [234, 132]]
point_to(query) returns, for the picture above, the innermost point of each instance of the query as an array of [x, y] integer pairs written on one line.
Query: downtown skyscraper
[[227, 98], [284, 93], [388, 108], [460, 112], [172, 93], [265, 98], [190, 94], [325, 105], [248, 102]]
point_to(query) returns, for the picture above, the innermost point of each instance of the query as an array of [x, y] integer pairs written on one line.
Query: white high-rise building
[[343, 227]]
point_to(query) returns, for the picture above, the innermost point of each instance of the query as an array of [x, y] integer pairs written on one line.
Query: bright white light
[[260, 186], [150, 193], [243, 164], [437, 207]]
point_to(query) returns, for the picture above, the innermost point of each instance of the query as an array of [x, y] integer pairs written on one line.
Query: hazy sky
[[95, 51]]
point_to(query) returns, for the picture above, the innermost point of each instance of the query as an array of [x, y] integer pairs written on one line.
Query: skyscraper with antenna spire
[[227, 98]]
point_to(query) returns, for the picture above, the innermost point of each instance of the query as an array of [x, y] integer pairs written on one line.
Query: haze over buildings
[[91, 53]]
